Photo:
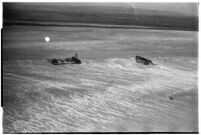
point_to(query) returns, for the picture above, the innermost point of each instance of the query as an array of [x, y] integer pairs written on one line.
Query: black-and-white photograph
[[99, 67]]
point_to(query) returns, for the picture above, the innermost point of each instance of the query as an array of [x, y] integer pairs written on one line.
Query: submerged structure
[[143, 61], [73, 60]]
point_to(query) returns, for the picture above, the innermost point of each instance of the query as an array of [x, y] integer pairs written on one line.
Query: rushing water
[[109, 91]]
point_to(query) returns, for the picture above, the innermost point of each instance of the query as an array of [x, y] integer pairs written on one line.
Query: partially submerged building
[[143, 61]]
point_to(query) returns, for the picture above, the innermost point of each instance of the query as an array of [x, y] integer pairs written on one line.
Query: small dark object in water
[[170, 97], [143, 61], [73, 60]]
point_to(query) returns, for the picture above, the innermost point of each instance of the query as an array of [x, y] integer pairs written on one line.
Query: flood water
[[109, 91]]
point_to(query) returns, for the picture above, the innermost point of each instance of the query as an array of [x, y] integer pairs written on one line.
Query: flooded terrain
[[109, 91]]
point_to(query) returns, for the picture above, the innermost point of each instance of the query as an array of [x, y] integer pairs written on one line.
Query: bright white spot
[[47, 39]]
